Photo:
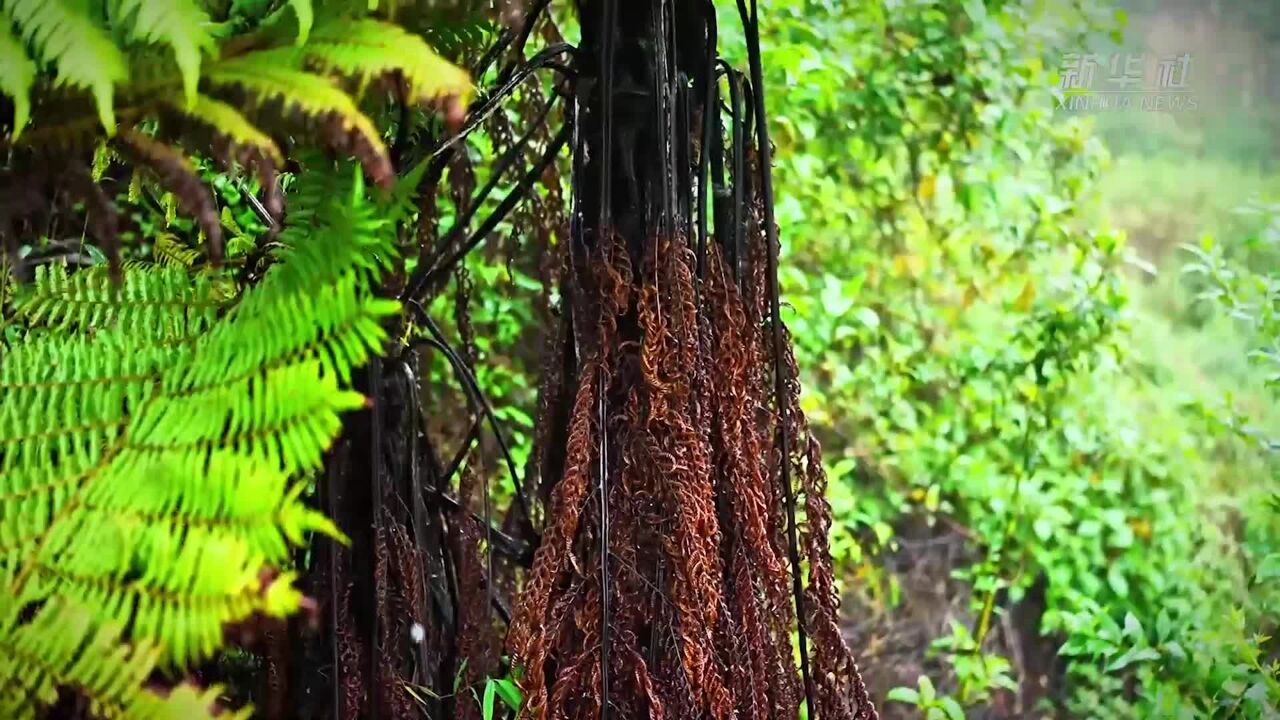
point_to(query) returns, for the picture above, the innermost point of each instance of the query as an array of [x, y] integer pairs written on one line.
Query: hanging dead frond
[[179, 177]]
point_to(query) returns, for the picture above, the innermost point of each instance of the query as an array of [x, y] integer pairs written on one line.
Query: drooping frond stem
[[472, 387], [750, 23], [733, 232], [604, 226], [501, 166], [177, 174], [531, 17], [464, 448], [710, 134], [491, 103]]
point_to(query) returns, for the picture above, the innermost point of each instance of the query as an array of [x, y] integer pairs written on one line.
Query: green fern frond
[[454, 35], [370, 48], [166, 531], [306, 17], [166, 304], [303, 262], [152, 447], [182, 25], [194, 583], [340, 326], [325, 241], [64, 644], [81, 380], [284, 416], [276, 76], [254, 505], [228, 122], [80, 52], [17, 74], [171, 251], [103, 156]]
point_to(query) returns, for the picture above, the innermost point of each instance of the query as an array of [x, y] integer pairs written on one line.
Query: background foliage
[[1042, 504]]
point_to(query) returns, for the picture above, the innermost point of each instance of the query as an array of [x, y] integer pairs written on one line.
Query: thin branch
[[477, 396], [424, 277]]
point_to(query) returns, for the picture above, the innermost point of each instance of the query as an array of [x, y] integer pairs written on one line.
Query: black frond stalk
[[750, 23]]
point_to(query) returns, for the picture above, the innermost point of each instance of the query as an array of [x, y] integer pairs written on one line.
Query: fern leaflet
[[276, 75], [306, 17], [81, 53], [17, 74], [64, 644], [370, 48], [180, 24], [228, 122]]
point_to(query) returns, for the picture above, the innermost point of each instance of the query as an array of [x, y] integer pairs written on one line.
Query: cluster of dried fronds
[[666, 548], [691, 499]]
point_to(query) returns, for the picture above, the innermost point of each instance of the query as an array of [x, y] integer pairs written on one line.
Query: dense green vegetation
[[1041, 500]]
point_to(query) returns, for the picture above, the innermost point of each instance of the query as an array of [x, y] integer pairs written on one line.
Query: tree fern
[[160, 304], [153, 448]]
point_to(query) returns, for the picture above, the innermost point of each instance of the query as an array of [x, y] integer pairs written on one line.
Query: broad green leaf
[[1268, 569], [951, 708], [927, 691], [509, 692], [1134, 655], [903, 695], [486, 707]]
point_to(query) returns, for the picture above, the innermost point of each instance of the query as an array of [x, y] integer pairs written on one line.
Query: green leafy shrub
[[982, 373]]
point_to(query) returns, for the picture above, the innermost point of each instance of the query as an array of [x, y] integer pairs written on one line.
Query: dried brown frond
[[179, 177]]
